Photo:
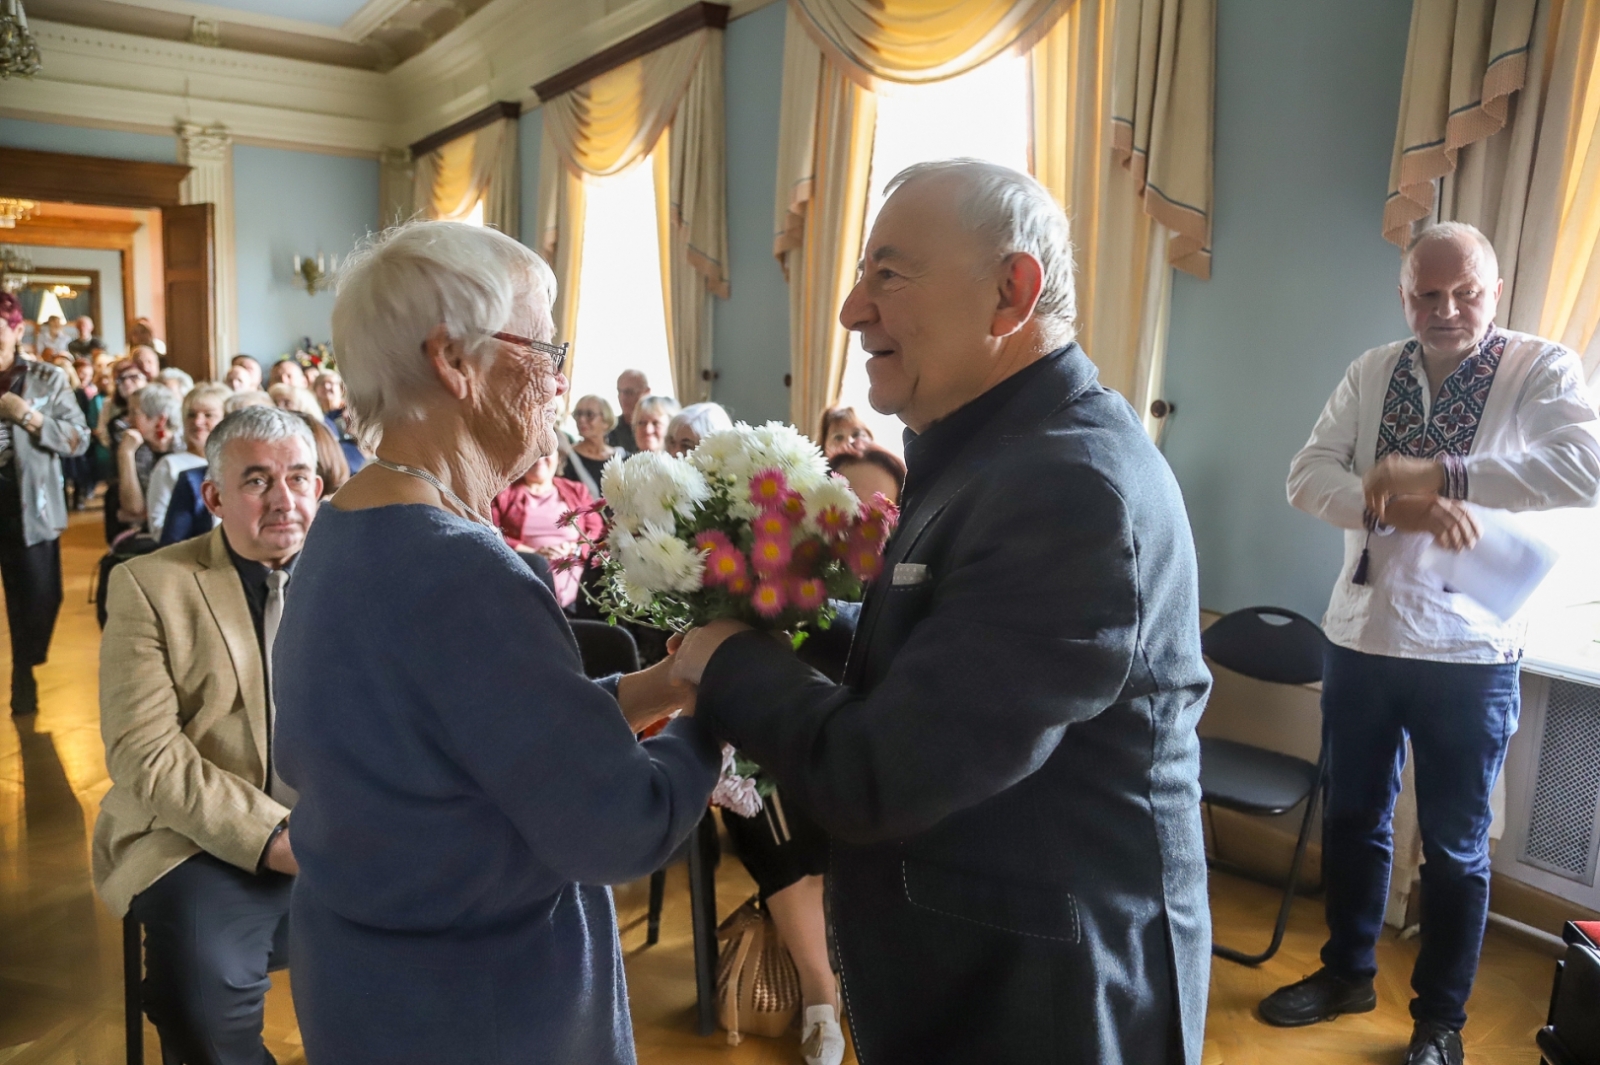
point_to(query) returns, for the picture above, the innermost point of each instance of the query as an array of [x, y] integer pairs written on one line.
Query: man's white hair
[[396, 289], [1019, 215], [1456, 233], [263, 424]]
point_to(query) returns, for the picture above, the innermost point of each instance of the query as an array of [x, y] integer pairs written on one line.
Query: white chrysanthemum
[[667, 564], [734, 456], [832, 492], [652, 488]]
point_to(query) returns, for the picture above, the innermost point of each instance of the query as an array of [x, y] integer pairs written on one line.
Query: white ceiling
[[323, 12]]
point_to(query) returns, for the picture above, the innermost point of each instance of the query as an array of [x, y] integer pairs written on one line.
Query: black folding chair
[[1281, 647], [609, 649], [1571, 1035]]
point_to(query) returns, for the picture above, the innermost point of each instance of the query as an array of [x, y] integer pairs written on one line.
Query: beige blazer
[[183, 712]]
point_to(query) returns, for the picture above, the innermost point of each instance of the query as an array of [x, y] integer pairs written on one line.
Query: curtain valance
[[449, 181], [917, 41], [669, 101], [1464, 59], [1162, 92]]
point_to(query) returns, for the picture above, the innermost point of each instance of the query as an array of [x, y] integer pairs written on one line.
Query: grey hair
[[1019, 215], [263, 424], [407, 281], [655, 407], [159, 401], [173, 374], [251, 398], [1455, 232], [703, 418]]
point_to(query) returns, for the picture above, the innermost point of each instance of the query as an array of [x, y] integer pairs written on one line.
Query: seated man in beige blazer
[[193, 837]]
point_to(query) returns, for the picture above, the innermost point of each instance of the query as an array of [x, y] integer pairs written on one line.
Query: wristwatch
[[283, 826]]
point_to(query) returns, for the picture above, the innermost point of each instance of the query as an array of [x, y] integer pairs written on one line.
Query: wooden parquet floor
[[60, 953]]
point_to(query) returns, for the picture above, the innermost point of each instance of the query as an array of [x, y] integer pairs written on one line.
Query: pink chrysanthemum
[[808, 554], [793, 507], [864, 557], [711, 539], [724, 565], [770, 554], [740, 585], [833, 522], [768, 599], [768, 489], [772, 524], [808, 594]]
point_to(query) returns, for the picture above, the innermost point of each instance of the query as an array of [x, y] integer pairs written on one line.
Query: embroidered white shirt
[[1537, 447]]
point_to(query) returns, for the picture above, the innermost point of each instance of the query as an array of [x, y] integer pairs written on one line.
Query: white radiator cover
[[1552, 775]]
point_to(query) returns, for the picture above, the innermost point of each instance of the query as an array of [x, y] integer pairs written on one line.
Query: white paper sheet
[[1501, 570]]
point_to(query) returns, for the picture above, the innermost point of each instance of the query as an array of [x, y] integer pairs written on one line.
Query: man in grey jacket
[[40, 424], [1009, 773]]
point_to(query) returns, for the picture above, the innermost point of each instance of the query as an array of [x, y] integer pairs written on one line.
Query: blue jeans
[[1459, 718]]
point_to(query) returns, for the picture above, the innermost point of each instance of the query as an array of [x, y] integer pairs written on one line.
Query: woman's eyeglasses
[[557, 352]]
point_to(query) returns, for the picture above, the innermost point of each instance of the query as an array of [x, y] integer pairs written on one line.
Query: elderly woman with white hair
[[466, 793], [692, 424]]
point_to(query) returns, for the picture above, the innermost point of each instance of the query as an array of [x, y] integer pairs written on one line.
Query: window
[[622, 323], [982, 114]]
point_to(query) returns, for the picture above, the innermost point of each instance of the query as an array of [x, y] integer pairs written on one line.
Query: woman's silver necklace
[[412, 471]]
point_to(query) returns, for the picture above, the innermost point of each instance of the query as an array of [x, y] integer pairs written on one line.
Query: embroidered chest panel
[[1457, 410]]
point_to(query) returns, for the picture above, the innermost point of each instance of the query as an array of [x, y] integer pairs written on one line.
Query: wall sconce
[[314, 275]]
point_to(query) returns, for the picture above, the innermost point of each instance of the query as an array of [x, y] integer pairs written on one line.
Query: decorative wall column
[[395, 169], [209, 150]]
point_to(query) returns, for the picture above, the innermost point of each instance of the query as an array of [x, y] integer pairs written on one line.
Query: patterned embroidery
[[1457, 410]]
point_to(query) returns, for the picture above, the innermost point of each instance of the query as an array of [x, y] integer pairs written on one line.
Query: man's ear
[[211, 497], [449, 361], [1021, 282]]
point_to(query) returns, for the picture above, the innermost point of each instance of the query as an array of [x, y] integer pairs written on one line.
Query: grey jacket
[[63, 435]]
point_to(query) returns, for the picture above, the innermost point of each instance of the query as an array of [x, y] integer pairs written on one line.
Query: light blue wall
[[287, 204], [1302, 282], [530, 127], [75, 140], [750, 338], [108, 324]]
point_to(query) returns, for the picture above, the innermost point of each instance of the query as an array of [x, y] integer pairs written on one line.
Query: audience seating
[[1280, 647], [1571, 1035], [607, 649]]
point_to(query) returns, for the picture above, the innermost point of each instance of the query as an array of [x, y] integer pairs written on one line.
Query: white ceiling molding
[[116, 79], [242, 17], [102, 78], [376, 12]]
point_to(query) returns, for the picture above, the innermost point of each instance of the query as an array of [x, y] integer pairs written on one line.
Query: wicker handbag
[[758, 987]]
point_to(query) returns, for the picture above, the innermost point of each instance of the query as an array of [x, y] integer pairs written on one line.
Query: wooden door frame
[[92, 179]]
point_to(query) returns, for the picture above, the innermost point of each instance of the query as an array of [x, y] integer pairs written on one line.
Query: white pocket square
[[909, 573]]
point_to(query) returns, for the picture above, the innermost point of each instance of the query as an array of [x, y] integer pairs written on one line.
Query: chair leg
[[658, 888], [132, 996], [1312, 802], [703, 906]]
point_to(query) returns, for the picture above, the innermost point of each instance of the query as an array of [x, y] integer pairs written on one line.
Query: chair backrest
[[606, 649], [1267, 643]]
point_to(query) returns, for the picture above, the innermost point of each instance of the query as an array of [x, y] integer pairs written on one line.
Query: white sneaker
[[821, 1038]]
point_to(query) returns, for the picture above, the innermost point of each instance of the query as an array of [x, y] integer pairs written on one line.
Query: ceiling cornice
[[105, 79]]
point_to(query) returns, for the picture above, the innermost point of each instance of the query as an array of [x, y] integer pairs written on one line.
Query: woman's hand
[[130, 441], [698, 645], [13, 408], [651, 694]]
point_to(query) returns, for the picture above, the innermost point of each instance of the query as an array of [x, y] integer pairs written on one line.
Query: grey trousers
[[211, 934]]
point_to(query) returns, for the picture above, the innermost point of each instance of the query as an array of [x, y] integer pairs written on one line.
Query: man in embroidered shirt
[[1463, 413]]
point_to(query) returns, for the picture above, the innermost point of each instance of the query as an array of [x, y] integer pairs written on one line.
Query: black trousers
[[32, 580], [211, 934]]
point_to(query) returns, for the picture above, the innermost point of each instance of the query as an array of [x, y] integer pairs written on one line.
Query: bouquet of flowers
[[750, 525]]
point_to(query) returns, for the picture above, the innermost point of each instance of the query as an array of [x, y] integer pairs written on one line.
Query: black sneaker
[[1322, 996], [24, 692], [1434, 1044]]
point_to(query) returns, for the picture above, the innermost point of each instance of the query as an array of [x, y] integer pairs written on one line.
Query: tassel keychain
[[1360, 575]]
